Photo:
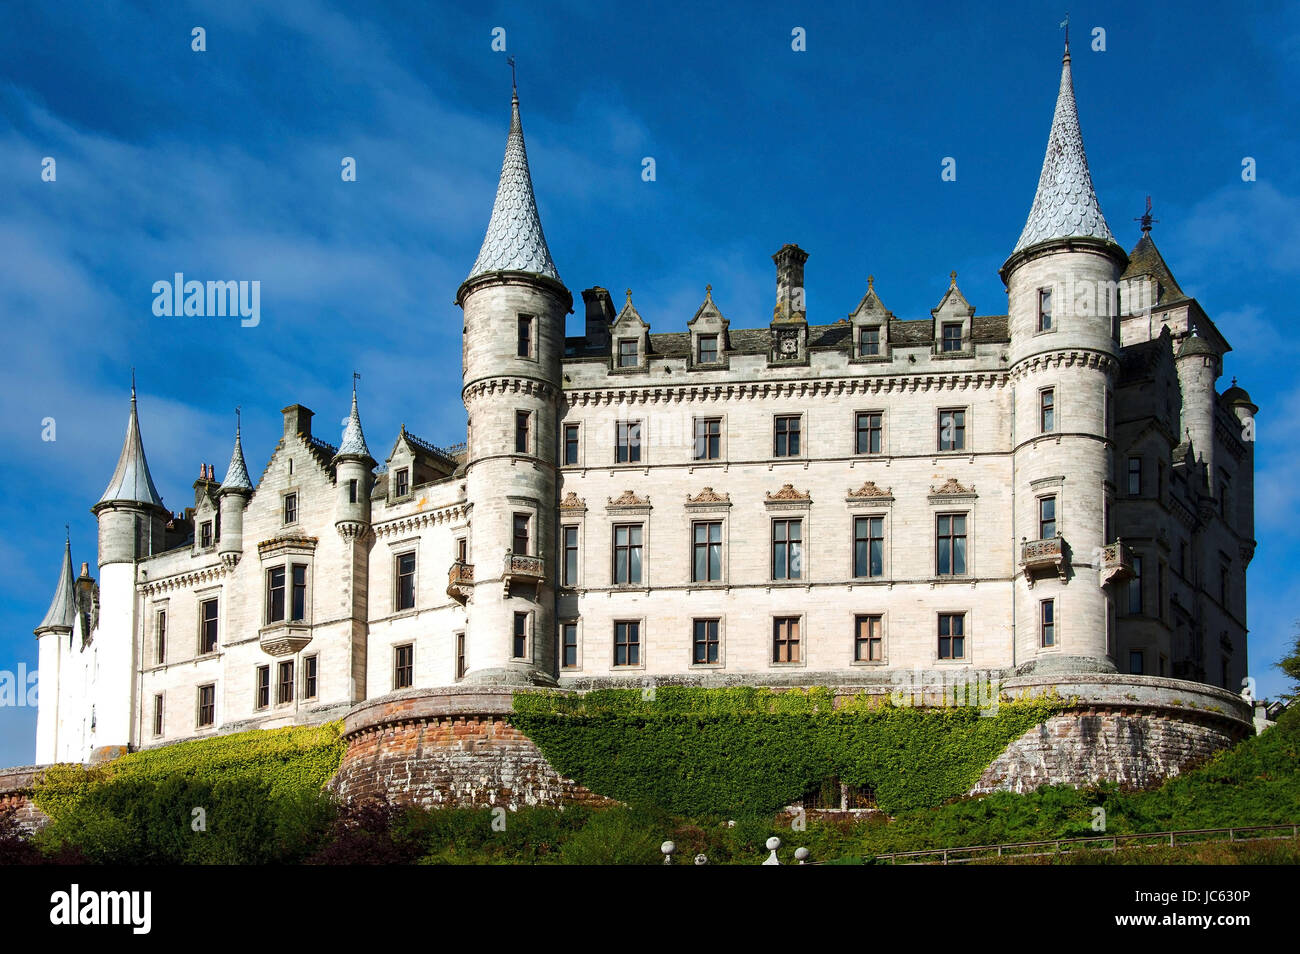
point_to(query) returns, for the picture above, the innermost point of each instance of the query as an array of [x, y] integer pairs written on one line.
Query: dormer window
[[869, 341], [707, 351], [1044, 309], [401, 482], [628, 353], [205, 534], [290, 508], [952, 336]]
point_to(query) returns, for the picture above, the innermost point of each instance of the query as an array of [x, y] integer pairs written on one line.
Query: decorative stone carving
[[628, 499], [707, 495], [787, 492], [869, 489], [573, 502]]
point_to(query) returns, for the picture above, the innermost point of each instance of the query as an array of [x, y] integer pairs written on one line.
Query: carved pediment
[[869, 489], [787, 492], [628, 499], [707, 495], [951, 487], [573, 502]]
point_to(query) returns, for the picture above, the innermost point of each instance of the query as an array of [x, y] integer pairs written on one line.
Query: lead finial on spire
[[1066, 24], [514, 86]]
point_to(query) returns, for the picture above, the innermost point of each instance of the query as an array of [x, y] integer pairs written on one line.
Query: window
[[570, 443], [207, 627], [1046, 517], [160, 637], [207, 714], [952, 430], [868, 639], [461, 668], [262, 683], [405, 595], [520, 534], [462, 550], [525, 349], [952, 635], [785, 639], [868, 341], [708, 349], [951, 544], [290, 508], [522, 420], [352, 491], [1135, 587], [627, 643], [704, 642], [708, 438], [519, 648], [627, 553], [309, 671], [157, 715], [1047, 623], [1044, 309], [786, 442], [952, 336], [868, 546], [298, 606], [867, 432], [1047, 410], [706, 547], [205, 534], [787, 549], [402, 482], [1135, 662], [275, 594], [1135, 476], [627, 353], [284, 684], [569, 558], [628, 450], [568, 645], [403, 666]]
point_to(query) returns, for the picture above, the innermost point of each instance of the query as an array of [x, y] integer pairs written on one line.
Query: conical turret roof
[[1065, 205], [354, 441], [131, 480], [63, 608], [514, 239], [237, 472]]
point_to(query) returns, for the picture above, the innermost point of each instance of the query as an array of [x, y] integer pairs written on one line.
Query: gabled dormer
[[414, 462], [709, 344], [207, 512], [629, 339], [952, 321], [870, 323]]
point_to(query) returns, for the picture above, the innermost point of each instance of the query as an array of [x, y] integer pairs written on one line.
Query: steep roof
[[1065, 205], [354, 441], [63, 608], [131, 481], [237, 472], [514, 239], [1146, 260]]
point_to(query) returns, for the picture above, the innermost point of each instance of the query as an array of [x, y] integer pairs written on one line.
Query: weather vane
[[1066, 24], [511, 61], [1146, 219]]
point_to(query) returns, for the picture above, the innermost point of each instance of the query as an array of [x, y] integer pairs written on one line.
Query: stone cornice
[[186, 580], [487, 387], [1066, 358], [418, 521]]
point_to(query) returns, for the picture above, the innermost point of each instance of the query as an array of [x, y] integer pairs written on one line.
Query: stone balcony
[[460, 581], [284, 639], [1116, 563], [520, 568], [1040, 555]]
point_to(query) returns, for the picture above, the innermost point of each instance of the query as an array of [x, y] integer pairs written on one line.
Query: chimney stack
[[790, 304], [297, 420], [600, 317]]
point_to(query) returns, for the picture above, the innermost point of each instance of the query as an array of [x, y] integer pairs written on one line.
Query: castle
[[1051, 492]]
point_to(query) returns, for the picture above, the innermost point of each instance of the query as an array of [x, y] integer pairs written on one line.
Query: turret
[[1198, 371], [1238, 402], [233, 496], [131, 515], [353, 470], [514, 309], [55, 628], [1061, 283]]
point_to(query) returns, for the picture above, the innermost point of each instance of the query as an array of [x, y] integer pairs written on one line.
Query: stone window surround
[[393, 648], [951, 505], [803, 435], [530, 652], [520, 318], [158, 721], [210, 727], [302, 678], [721, 418], [577, 425], [967, 657], [802, 662], [286, 558], [162, 605], [802, 516], [698, 516], [270, 687], [1056, 626], [641, 642], [396, 550], [882, 352], [529, 434], [884, 432], [886, 564], [1056, 427], [285, 494], [201, 597], [393, 495], [968, 431], [630, 518], [643, 442], [576, 520], [883, 661], [722, 643], [560, 623]]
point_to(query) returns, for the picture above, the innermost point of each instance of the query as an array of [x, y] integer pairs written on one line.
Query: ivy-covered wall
[[746, 751]]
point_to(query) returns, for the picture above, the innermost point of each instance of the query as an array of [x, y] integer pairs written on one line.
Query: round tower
[[1062, 293], [514, 309], [1197, 364], [56, 627], [233, 496], [353, 475]]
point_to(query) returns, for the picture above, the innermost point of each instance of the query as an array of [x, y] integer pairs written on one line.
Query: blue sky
[[225, 165]]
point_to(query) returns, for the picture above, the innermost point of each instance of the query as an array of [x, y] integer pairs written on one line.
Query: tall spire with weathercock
[[237, 472], [354, 441], [131, 481], [1065, 205], [514, 239]]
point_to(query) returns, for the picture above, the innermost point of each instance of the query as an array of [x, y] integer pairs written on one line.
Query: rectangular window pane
[[275, 594], [521, 636], [1047, 410], [627, 644], [627, 354], [403, 666], [868, 641], [521, 432], [309, 677], [1044, 309], [263, 686], [525, 337], [569, 645], [520, 534], [785, 639], [299, 606], [570, 556], [208, 632], [570, 443], [406, 581], [708, 349]]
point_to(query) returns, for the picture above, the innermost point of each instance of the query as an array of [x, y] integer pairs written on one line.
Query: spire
[[131, 480], [237, 472], [514, 239], [63, 608], [354, 442], [1065, 205]]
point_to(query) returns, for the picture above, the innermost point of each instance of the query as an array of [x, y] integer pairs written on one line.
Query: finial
[[67, 534], [133, 384], [708, 291], [237, 421], [1234, 382], [513, 85], [629, 296], [1146, 219], [952, 279], [1066, 24], [871, 283]]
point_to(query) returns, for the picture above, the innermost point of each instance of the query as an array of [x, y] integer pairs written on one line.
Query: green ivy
[[748, 751]]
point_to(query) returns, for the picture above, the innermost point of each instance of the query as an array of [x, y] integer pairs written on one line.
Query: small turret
[[62, 613], [58, 624], [132, 518], [353, 469], [1198, 370], [233, 496]]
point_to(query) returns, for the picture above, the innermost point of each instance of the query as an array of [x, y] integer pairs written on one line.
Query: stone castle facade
[[1057, 491]]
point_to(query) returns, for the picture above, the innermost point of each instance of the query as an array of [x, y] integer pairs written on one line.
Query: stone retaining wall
[[16, 786]]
